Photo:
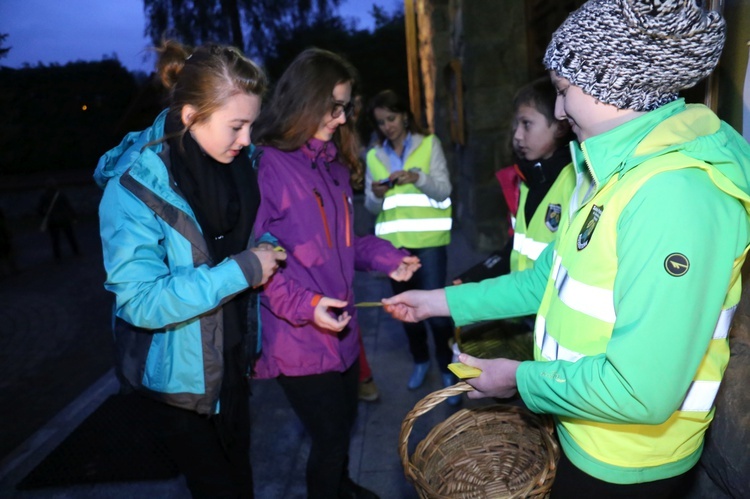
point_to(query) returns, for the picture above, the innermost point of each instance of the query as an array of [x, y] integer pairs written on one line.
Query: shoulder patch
[[676, 264], [552, 219], [588, 227]]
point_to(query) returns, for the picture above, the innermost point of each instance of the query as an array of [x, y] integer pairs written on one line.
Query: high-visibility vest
[[577, 316], [410, 218], [529, 239]]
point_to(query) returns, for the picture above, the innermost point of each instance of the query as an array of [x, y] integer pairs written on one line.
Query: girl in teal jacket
[[176, 223], [635, 298]]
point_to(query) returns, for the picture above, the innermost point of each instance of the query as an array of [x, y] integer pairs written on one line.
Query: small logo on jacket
[[552, 219], [588, 227], [676, 264]]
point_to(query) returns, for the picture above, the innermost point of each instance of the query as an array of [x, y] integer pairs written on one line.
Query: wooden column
[[412, 59]]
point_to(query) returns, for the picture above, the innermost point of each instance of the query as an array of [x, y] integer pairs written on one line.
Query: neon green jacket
[[661, 329]]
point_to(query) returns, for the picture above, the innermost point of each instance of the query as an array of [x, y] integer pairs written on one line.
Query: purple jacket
[[306, 202]]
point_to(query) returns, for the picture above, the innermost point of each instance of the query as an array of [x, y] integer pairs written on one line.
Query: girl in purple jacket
[[310, 331]]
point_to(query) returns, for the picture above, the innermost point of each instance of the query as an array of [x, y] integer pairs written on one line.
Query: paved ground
[[55, 369]]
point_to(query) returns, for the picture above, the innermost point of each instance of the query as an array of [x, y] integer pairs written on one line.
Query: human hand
[[403, 177], [322, 315], [269, 260], [379, 188], [406, 268], [416, 305], [457, 281], [498, 378]]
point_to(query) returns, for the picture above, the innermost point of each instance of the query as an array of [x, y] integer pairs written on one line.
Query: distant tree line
[[64, 117]]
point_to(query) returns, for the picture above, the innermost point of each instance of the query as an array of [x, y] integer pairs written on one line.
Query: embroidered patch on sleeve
[[676, 264]]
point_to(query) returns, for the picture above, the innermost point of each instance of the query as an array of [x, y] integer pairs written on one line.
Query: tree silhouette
[[3, 50], [255, 26]]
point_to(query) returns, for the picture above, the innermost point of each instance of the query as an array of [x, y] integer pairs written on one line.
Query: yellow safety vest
[[409, 218], [577, 316], [529, 240]]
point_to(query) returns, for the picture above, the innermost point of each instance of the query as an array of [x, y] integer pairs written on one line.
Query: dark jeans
[[430, 276], [327, 406], [215, 464], [572, 483]]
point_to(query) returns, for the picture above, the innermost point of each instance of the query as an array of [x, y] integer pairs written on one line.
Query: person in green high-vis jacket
[[408, 187], [635, 298]]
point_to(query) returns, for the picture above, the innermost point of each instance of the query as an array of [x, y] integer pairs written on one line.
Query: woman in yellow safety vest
[[408, 187]]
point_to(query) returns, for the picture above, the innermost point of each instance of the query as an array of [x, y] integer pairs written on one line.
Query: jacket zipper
[[347, 212], [323, 217]]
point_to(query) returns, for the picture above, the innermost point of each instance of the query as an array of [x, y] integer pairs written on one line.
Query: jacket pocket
[[321, 207]]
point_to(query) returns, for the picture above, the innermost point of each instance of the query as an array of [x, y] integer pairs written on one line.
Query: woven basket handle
[[423, 406]]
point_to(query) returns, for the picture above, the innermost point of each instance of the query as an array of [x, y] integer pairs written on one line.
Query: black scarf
[[540, 175], [224, 199]]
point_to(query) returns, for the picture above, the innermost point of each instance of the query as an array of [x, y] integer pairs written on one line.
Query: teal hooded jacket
[[168, 323]]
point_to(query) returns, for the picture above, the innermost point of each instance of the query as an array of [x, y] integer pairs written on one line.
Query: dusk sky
[[60, 31]]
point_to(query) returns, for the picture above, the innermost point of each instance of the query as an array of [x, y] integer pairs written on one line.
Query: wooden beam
[[412, 60]]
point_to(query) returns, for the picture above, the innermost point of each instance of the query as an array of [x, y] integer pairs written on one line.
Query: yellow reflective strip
[[414, 201], [700, 397], [590, 300], [413, 225]]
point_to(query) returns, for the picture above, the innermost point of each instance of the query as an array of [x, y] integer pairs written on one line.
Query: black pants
[[212, 454], [572, 483], [430, 276], [327, 406]]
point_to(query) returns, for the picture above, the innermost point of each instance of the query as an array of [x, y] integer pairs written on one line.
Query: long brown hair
[[301, 98], [205, 77], [390, 100]]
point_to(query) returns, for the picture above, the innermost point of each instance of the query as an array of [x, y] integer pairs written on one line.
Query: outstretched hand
[[325, 318], [406, 268], [498, 378], [414, 305]]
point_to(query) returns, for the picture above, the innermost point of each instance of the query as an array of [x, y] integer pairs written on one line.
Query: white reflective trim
[[528, 246], [539, 329], [550, 348], [556, 260], [721, 331], [700, 397], [413, 225], [587, 299], [513, 222], [414, 200]]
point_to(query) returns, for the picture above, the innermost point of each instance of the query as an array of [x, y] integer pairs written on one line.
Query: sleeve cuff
[[250, 265]]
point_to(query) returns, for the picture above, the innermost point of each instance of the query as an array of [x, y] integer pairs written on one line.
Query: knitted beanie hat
[[637, 54]]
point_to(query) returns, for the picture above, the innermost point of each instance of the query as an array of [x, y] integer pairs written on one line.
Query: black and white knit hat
[[637, 54]]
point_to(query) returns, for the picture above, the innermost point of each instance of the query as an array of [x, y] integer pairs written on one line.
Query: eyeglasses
[[342, 107]]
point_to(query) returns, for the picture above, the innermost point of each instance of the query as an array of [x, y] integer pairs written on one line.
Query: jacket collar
[[316, 148], [607, 154]]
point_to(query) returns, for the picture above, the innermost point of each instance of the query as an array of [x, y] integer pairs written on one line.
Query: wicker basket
[[495, 451]]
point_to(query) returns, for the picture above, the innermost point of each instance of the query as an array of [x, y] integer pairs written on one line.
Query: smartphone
[[387, 182]]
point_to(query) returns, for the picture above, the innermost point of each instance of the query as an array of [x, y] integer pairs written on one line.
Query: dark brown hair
[[390, 100], [302, 96], [205, 77]]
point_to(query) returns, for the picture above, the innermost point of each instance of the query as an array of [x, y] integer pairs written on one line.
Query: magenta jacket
[[306, 203]]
